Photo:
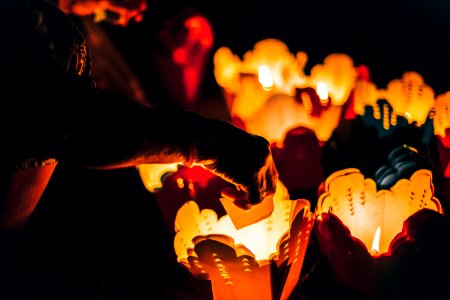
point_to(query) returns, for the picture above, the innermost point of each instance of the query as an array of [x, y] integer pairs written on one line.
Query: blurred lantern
[[410, 97], [175, 184], [338, 74], [245, 83], [260, 261], [187, 39], [406, 102], [152, 175], [258, 89], [362, 230], [441, 125]]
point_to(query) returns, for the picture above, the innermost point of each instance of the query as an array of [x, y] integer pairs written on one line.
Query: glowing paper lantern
[[410, 97], [152, 175], [338, 73], [260, 261], [241, 80], [441, 125], [362, 231], [187, 39]]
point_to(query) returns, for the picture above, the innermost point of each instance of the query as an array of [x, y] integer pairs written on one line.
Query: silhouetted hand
[[237, 156]]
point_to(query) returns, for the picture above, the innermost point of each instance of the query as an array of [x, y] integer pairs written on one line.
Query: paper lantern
[[410, 97], [441, 125], [339, 75], [260, 261], [243, 81], [187, 40], [361, 230]]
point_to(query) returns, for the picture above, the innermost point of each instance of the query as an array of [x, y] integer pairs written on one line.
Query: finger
[[239, 198]]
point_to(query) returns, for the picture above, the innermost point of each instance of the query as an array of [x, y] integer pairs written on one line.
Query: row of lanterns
[[362, 225]]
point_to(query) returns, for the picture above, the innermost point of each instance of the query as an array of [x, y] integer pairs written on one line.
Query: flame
[[265, 77], [376, 242], [322, 92]]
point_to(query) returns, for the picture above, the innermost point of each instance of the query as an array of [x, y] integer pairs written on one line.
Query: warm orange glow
[[441, 120], [356, 201], [269, 73], [338, 74], [152, 174], [410, 97], [265, 77], [237, 259], [376, 242], [190, 222], [286, 68], [322, 92]]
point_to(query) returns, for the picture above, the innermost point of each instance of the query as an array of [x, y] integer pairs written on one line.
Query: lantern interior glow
[[265, 77], [376, 217], [376, 242], [260, 238]]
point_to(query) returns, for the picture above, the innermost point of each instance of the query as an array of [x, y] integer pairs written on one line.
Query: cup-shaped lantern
[[339, 74], [410, 97], [358, 226], [259, 261], [269, 68], [187, 39], [441, 126]]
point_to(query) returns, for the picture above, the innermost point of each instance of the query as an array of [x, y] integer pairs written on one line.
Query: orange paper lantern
[[364, 232], [260, 261]]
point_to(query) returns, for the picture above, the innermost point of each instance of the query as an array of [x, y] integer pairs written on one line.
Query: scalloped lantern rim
[[407, 235]]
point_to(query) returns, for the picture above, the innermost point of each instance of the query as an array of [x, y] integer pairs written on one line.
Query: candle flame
[[322, 92], [376, 242], [265, 77]]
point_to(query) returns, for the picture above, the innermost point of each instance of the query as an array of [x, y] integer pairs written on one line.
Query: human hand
[[237, 156]]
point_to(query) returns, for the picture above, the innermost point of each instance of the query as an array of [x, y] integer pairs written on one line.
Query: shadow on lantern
[[260, 261], [175, 184], [378, 242]]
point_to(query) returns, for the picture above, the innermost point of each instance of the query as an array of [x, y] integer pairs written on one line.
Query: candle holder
[[374, 238], [260, 261]]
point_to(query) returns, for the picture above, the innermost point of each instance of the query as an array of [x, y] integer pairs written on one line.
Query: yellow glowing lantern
[[410, 97], [152, 174], [239, 262], [243, 82], [365, 94], [441, 120], [374, 216], [441, 124], [338, 74]]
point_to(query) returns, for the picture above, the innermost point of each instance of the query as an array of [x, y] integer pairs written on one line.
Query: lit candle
[[376, 243], [356, 201]]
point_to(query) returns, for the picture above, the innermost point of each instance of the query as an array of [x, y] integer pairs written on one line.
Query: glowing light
[[376, 242], [357, 202], [322, 92], [265, 77]]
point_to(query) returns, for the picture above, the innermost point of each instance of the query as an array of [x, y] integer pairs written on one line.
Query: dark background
[[100, 235], [390, 37]]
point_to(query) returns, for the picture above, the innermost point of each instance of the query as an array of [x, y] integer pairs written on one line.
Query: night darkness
[[100, 235], [390, 37]]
